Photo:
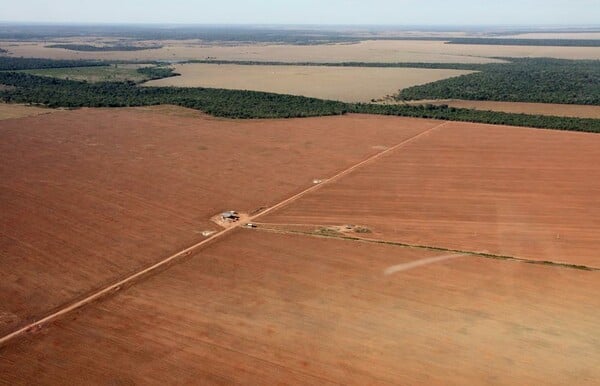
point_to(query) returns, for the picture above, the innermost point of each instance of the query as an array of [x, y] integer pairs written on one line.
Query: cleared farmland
[[507, 191], [90, 196], [348, 84], [267, 308], [11, 111], [366, 51], [550, 109]]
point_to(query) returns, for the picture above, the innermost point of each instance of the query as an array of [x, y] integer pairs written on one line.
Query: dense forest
[[54, 92], [15, 64], [91, 48], [521, 80]]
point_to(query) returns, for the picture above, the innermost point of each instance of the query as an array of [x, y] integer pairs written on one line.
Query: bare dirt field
[[90, 196], [348, 84], [10, 111], [261, 308], [509, 191], [366, 51], [551, 109]]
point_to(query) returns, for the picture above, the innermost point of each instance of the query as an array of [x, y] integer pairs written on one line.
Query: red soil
[[509, 191], [88, 197], [260, 308]]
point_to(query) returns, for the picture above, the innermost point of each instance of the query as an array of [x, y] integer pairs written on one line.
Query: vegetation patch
[[329, 232], [362, 230], [156, 72]]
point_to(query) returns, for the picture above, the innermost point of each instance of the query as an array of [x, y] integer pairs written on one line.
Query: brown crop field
[[348, 84], [519, 192], [262, 308], [551, 109], [90, 196], [366, 51]]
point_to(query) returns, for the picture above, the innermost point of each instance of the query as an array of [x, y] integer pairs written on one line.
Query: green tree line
[[8, 63], [245, 104]]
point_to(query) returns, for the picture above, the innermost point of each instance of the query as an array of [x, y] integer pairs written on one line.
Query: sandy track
[[131, 279]]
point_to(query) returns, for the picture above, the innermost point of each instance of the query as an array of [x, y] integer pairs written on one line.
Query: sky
[[346, 12]]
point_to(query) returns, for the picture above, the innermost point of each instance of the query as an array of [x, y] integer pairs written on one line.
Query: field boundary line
[[558, 264], [187, 251]]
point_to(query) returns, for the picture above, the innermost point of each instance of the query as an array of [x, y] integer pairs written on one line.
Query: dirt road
[[163, 263]]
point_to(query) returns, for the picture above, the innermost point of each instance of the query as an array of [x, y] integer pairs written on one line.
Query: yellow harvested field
[[10, 111], [551, 109], [366, 51], [349, 84]]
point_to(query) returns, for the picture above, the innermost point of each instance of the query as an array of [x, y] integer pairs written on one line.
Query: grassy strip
[[337, 235]]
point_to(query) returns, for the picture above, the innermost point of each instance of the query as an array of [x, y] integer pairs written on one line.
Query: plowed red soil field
[[262, 308], [90, 196], [520, 192]]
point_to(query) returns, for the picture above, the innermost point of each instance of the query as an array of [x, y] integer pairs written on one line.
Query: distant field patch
[[378, 51], [349, 84]]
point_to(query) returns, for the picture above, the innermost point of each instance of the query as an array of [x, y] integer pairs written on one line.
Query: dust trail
[[419, 263]]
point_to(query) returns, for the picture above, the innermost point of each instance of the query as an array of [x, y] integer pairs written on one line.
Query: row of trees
[[8, 63], [493, 117], [245, 104]]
